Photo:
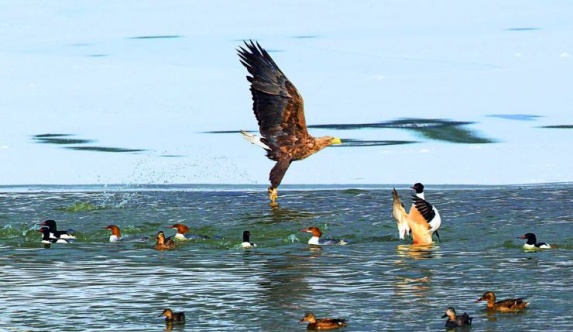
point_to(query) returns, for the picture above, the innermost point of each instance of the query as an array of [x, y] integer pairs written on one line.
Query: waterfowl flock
[[278, 108]]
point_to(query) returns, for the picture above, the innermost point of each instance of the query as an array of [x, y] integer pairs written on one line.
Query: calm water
[[378, 282]]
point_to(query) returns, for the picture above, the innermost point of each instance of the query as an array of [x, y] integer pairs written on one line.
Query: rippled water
[[377, 282]]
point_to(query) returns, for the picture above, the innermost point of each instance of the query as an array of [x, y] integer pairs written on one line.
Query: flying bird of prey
[[279, 110]]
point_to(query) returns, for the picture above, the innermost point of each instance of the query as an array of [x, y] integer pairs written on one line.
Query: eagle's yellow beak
[[336, 140]]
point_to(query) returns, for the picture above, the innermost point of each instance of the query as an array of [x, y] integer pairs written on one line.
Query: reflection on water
[[378, 282]]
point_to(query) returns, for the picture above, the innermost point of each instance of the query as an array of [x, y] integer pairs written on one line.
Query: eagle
[[279, 109]]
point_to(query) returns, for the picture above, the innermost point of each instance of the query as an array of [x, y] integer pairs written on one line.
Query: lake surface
[[378, 282]]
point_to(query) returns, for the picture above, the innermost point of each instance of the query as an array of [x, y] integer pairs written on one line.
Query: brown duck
[[163, 243], [171, 316], [322, 323], [503, 305]]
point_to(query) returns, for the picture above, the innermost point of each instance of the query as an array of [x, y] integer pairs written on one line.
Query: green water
[[377, 282]]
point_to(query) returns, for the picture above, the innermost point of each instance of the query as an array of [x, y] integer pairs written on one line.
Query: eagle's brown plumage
[[279, 110]]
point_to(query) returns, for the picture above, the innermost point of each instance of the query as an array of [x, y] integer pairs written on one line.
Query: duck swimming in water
[[317, 241], [322, 323], [532, 242], [455, 320], [503, 305], [163, 243], [171, 317], [46, 239], [246, 240], [55, 233], [116, 235], [183, 233]]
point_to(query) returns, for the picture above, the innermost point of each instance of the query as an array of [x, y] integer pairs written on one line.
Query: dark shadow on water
[[156, 37], [71, 143], [518, 117], [523, 29], [59, 139], [350, 142], [432, 129], [103, 149], [558, 127]]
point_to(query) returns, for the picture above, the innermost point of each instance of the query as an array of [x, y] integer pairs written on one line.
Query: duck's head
[[530, 237], [488, 297], [181, 229], [50, 223], [114, 230], [168, 313], [418, 187], [309, 317], [450, 312], [313, 230]]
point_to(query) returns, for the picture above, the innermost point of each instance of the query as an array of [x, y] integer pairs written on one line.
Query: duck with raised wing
[[455, 320], [318, 241], [503, 305], [322, 323]]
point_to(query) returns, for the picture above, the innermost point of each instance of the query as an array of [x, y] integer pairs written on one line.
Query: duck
[[532, 242], [422, 221], [171, 316], [54, 233], [317, 241], [46, 239], [455, 320], [182, 231], [322, 323], [429, 211], [116, 235], [503, 305], [163, 243], [399, 213], [246, 241]]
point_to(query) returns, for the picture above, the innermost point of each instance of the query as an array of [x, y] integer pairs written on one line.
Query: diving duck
[[455, 320], [322, 323], [503, 305], [182, 233], [163, 243], [317, 241], [171, 316], [55, 234], [532, 242], [246, 240]]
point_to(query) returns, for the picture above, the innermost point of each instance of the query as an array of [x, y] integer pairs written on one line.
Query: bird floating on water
[[279, 109], [246, 240], [322, 323], [532, 242], [163, 243], [502, 305], [456, 320], [171, 317], [318, 241]]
